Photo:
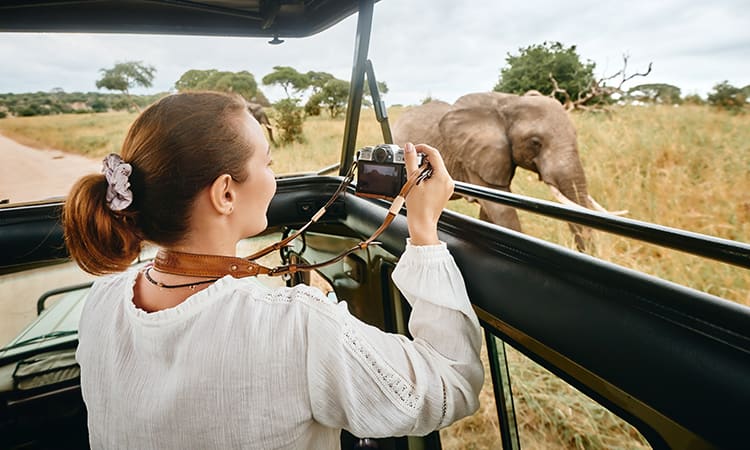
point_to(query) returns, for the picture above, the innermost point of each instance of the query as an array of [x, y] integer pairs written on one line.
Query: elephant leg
[[502, 215], [582, 236]]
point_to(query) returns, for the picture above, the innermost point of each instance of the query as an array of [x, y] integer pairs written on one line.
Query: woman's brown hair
[[177, 147]]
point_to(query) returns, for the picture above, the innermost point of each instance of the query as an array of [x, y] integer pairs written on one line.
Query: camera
[[381, 171]]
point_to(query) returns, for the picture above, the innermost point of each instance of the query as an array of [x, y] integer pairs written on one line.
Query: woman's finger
[[410, 158]]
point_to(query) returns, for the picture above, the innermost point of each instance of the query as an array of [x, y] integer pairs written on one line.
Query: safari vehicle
[[672, 362]]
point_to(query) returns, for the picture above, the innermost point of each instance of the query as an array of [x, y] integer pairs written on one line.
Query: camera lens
[[380, 155]]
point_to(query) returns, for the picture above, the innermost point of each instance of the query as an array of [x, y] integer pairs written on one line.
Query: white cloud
[[423, 47]]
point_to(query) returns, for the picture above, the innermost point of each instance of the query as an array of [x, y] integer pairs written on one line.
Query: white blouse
[[242, 365]]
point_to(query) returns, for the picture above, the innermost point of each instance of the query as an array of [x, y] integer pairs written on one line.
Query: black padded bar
[[723, 250]]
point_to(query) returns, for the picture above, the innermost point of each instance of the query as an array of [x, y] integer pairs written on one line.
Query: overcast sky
[[421, 48]]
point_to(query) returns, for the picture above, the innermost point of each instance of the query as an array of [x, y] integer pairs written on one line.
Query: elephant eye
[[536, 142]]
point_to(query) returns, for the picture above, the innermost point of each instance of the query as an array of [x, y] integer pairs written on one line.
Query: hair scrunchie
[[116, 171]]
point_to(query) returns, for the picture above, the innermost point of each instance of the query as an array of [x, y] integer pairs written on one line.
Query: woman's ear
[[221, 194]]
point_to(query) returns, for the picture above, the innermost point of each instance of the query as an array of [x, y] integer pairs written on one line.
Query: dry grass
[[682, 167], [91, 135], [549, 414]]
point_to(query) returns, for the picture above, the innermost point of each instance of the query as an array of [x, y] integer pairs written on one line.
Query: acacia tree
[[656, 93], [242, 83], [125, 76], [332, 93], [192, 78], [289, 79], [289, 115]]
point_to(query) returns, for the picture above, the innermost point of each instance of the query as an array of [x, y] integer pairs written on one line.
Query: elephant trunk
[[567, 180], [565, 174]]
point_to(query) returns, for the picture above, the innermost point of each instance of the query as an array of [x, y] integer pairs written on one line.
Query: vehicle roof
[[259, 18]]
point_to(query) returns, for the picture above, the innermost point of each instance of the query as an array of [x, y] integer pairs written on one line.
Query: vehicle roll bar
[[724, 250]]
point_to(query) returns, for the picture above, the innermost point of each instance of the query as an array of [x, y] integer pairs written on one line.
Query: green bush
[[312, 107], [727, 96], [289, 120], [32, 109], [693, 99], [121, 104], [99, 106]]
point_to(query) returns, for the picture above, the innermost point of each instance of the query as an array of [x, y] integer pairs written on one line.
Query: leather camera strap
[[216, 266]]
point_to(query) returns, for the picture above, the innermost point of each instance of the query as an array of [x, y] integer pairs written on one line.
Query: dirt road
[[28, 174]]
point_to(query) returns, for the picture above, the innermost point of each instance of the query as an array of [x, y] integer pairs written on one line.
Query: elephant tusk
[[600, 208], [595, 205], [561, 197]]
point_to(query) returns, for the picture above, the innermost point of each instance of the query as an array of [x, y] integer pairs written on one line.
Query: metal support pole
[[381, 112], [506, 412], [356, 88]]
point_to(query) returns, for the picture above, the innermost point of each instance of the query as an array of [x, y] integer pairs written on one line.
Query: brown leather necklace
[[215, 266]]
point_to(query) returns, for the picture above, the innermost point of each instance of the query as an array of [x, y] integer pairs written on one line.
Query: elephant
[[484, 137], [260, 115]]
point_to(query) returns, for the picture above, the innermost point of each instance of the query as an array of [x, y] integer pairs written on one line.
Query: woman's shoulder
[[120, 282], [301, 294], [252, 298]]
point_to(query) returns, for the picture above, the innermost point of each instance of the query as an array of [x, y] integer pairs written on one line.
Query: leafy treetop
[[531, 68], [242, 83], [289, 79], [656, 93], [125, 76]]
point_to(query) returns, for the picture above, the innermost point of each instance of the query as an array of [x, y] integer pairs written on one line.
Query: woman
[[174, 361]]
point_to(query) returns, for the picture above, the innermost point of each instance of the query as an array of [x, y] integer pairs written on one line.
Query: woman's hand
[[426, 200]]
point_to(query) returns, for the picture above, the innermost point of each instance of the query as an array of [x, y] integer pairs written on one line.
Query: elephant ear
[[476, 144]]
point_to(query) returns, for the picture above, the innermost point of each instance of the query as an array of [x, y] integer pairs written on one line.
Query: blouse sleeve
[[377, 384]]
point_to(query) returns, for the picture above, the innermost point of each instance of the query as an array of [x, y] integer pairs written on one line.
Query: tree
[[316, 80], [242, 83], [331, 93], [726, 96], [289, 79], [192, 78], [333, 96], [693, 99], [534, 66], [656, 93], [552, 68], [125, 76], [382, 89]]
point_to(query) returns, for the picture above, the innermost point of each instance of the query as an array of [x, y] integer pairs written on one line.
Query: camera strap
[[216, 266]]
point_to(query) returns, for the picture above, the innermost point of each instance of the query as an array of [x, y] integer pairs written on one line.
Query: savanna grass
[[92, 135], [685, 167]]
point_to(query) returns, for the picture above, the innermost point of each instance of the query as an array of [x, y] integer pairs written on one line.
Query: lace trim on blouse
[[288, 295], [445, 406], [400, 390]]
